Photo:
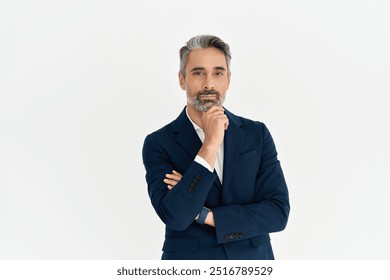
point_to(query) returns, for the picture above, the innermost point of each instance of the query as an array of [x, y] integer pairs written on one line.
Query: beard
[[202, 103]]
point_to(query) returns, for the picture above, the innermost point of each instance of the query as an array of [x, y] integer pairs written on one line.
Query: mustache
[[208, 92]]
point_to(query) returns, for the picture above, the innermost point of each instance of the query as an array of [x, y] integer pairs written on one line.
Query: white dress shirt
[[218, 166]]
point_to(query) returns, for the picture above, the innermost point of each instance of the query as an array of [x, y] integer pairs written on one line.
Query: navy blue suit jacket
[[251, 203]]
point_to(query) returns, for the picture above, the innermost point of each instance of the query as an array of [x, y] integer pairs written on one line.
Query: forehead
[[207, 58]]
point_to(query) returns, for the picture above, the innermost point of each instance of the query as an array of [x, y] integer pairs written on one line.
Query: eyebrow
[[202, 68], [197, 69]]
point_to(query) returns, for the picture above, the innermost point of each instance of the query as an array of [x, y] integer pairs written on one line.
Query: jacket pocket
[[183, 243]]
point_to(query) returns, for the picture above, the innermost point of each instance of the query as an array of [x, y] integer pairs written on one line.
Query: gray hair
[[203, 42]]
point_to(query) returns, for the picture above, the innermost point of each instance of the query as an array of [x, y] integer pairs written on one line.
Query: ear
[[182, 81]]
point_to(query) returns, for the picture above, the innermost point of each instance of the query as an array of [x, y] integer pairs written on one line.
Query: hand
[[214, 123], [209, 219], [172, 179]]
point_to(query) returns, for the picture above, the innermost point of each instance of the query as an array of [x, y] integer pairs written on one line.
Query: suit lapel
[[217, 182], [234, 138], [186, 135]]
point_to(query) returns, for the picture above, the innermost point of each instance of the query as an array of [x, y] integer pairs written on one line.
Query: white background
[[83, 82]]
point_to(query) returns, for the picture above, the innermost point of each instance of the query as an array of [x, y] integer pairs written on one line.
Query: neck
[[195, 115]]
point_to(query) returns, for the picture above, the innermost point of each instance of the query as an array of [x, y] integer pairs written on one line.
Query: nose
[[208, 83]]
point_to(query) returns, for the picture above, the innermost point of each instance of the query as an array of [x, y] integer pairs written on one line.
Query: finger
[[170, 182], [226, 124], [213, 109], [177, 173], [173, 177], [216, 114], [222, 118], [169, 187]]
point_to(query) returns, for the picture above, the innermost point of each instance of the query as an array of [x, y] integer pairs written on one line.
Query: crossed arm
[[171, 180]]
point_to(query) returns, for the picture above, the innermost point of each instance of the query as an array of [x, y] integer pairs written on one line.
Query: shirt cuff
[[201, 161]]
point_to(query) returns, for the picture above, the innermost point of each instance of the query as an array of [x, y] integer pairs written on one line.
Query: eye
[[198, 73], [218, 73]]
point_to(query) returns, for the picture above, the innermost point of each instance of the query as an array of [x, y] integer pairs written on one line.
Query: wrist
[[209, 154], [210, 144], [201, 218]]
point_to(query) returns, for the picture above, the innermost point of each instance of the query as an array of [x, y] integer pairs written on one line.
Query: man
[[213, 177]]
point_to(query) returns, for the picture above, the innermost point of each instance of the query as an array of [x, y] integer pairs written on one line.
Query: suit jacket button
[[232, 236], [190, 189], [198, 177], [193, 185], [227, 236], [196, 180], [240, 235]]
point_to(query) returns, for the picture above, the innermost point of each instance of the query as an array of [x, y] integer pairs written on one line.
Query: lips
[[208, 93], [208, 96]]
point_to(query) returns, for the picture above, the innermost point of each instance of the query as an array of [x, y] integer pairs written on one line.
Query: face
[[207, 78]]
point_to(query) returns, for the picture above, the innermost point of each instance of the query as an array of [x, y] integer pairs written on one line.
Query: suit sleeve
[[270, 210], [178, 207]]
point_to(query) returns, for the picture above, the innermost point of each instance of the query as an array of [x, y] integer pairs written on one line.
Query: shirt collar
[[196, 127]]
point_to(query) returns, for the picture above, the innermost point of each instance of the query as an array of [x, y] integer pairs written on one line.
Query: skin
[[206, 69]]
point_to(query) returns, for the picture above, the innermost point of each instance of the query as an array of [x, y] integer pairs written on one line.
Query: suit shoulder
[[166, 129], [253, 129], [156, 140], [247, 123], [169, 129]]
